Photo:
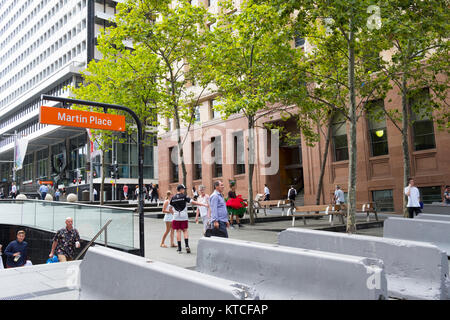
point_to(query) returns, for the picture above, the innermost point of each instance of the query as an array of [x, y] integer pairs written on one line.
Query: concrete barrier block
[[436, 232], [414, 270], [110, 274], [282, 273], [428, 216]]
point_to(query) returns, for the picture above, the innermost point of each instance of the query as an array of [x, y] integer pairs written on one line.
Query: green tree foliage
[[249, 57], [414, 34]]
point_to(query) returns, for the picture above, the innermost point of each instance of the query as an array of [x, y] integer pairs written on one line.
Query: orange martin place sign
[[81, 119]]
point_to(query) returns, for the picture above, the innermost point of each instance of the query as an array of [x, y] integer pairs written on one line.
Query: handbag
[[215, 232]]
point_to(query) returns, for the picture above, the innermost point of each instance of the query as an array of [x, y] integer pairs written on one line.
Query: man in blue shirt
[[219, 213], [43, 189], [16, 251]]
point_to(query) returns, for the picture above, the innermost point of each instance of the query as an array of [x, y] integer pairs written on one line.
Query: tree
[[170, 35], [416, 33], [336, 67], [123, 77], [249, 57]]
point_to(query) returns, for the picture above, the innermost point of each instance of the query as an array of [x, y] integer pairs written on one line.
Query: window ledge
[[340, 162], [434, 150], [383, 157]]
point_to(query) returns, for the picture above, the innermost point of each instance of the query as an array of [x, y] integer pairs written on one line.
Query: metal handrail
[[104, 228]]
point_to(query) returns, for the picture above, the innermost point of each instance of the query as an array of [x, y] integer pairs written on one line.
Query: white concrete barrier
[[436, 232], [110, 274], [414, 270], [428, 216], [283, 273]]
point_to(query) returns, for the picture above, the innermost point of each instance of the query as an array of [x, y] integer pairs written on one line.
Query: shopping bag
[[53, 260]]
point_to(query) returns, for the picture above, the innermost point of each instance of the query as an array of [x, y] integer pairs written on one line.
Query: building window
[[377, 128], [239, 153], [429, 195], [215, 114], [28, 167], [216, 154], [173, 156], [197, 114], [384, 200], [299, 41], [197, 159], [340, 143], [423, 126], [42, 164]]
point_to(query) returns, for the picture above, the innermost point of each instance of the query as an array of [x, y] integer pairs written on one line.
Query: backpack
[[291, 194]]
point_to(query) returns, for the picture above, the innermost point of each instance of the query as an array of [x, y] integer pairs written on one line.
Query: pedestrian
[[232, 195], [194, 194], [2, 194], [447, 195], [144, 190], [292, 193], [125, 192], [180, 215], [13, 190], [155, 195], [57, 194], [136, 192], [339, 196], [413, 198], [94, 193], [65, 241], [266, 193], [16, 251], [219, 214], [1, 259], [168, 218], [150, 191], [43, 190], [204, 212]]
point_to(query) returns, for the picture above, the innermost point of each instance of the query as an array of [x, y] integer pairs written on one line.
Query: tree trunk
[[324, 160], [251, 166], [102, 185], [351, 211], [405, 144], [180, 147]]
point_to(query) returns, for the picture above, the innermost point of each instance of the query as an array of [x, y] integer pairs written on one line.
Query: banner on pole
[[21, 150]]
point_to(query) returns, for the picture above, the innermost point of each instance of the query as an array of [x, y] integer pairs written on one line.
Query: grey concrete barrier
[[436, 232], [436, 208], [283, 273], [437, 217], [110, 274], [414, 270]]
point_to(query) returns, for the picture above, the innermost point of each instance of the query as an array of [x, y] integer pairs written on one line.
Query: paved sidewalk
[[265, 232]]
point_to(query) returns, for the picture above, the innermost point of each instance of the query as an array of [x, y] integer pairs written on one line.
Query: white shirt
[[339, 195], [266, 190], [414, 197], [94, 192], [203, 210], [13, 189]]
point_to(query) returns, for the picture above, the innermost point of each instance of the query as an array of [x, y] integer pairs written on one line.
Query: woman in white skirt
[[204, 212], [168, 217]]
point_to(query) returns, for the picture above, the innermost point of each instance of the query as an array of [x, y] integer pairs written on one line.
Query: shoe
[[232, 226], [188, 250], [178, 250], [240, 225]]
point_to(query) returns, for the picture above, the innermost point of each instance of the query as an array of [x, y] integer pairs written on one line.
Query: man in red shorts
[[180, 215]]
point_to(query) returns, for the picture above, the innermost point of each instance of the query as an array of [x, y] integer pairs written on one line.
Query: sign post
[[95, 120]]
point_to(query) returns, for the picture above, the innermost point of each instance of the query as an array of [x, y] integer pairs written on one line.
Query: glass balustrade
[[87, 219]]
